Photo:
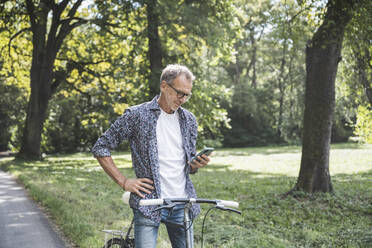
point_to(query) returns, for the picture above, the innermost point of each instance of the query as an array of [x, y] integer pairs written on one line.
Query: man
[[162, 137]]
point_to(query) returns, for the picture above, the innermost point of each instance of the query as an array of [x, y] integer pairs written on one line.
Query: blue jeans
[[146, 230]]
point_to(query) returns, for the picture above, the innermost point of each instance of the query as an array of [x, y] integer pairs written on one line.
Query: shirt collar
[[154, 105]]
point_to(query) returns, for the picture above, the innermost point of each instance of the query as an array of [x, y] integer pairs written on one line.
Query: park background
[[68, 69]]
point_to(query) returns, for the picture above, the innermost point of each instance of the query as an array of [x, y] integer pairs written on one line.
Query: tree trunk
[[45, 48], [41, 76], [322, 58], [281, 86], [253, 58], [36, 113], [155, 51]]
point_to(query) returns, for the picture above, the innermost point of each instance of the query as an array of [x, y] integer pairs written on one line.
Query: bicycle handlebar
[[152, 202]]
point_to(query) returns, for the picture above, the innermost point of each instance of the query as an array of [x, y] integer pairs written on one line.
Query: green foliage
[[251, 119], [267, 74], [103, 65], [83, 200], [14, 78], [363, 126], [12, 98], [355, 77], [248, 58], [200, 43]]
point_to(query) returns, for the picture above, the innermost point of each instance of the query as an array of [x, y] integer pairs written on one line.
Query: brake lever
[[164, 207], [228, 209], [167, 205]]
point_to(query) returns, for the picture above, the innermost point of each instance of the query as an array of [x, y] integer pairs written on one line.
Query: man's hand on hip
[[138, 185]]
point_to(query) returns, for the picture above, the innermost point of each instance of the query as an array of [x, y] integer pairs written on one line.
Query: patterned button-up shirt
[[138, 126]]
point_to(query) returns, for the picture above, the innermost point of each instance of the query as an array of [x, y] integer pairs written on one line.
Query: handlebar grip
[[126, 197], [144, 202], [151, 202], [231, 204]]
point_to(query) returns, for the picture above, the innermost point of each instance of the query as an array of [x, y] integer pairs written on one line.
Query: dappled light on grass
[[81, 179], [83, 200], [286, 161]]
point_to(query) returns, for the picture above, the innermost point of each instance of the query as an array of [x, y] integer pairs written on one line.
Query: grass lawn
[[83, 200]]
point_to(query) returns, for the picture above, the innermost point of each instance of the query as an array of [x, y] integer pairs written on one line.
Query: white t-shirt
[[171, 156]]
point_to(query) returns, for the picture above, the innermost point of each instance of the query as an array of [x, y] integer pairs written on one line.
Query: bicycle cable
[[202, 234], [192, 220]]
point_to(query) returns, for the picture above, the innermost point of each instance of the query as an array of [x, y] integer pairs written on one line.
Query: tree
[[178, 37], [49, 24], [268, 73], [47, 40], [100, 68], [323, 54], [155, 54]]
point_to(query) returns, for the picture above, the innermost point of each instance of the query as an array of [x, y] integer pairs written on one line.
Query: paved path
[[22, 224]]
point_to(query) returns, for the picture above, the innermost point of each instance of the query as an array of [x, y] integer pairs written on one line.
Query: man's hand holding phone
[[201, 159]]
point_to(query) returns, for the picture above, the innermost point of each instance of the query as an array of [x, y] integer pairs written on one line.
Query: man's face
[[181, 85]]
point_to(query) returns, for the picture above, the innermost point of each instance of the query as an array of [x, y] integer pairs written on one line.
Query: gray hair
[[171, 72]]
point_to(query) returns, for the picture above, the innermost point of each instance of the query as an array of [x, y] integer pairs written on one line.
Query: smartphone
[[207, 151]]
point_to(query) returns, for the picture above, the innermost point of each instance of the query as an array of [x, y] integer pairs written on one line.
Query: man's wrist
[[123, 182], [194, 169]]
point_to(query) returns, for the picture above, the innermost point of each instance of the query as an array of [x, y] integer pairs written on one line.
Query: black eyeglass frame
[[180, 94]]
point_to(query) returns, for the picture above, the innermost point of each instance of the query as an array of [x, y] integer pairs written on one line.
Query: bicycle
[[126, 240]]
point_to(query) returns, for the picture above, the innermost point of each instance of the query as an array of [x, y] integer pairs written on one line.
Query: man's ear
[[163, 84]]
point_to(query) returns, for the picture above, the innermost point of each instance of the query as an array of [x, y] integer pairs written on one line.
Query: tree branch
[[59, 77], [62, 5], [298, 13], [10, 42], [99, 22], [84, 63], [65, 27], [15, 35], [74, 8], [76, 88], [50, 4], [64, 31], [31, 13], [81, 66]]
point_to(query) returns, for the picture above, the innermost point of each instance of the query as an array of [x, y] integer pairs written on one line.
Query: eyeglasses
[[180, 94]]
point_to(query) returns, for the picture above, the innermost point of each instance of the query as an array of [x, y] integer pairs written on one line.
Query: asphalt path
[[22, 223]]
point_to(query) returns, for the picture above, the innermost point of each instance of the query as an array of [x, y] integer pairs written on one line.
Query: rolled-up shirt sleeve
[[120, 130]]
